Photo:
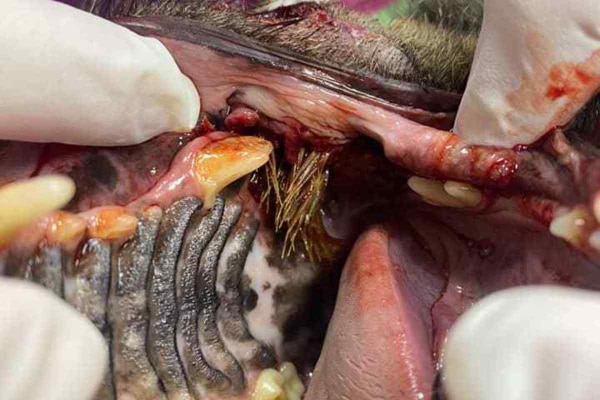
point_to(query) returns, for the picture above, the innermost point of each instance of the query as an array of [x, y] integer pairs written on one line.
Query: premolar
[[448, 194], [281, 384], [111, 223], [64, 228]]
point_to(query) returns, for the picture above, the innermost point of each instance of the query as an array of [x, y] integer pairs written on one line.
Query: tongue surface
[[378, 345]]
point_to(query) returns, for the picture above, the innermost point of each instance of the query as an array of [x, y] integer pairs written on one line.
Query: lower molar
[[279, 384]]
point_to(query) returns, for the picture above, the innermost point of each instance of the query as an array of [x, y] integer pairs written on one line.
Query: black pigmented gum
[[87, 291], [249, 296], [162, 301], [230, 318], [134, 376], [199, 373], [46, 268], [207, 323]]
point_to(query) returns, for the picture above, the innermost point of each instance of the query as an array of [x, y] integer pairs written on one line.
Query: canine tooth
[[464, 192], [23, 202], [225, 161], [433, 192], [269, 385], [65, 227], [572, 225], [110, 223]]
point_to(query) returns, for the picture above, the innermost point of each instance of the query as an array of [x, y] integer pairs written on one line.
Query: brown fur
[[405, 50]]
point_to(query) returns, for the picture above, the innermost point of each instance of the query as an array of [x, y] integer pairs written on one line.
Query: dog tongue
[[378, 345]]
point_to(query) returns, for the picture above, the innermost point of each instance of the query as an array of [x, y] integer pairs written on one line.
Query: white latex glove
[[47, 349], [527, 343], [69, 76], [537, 62]]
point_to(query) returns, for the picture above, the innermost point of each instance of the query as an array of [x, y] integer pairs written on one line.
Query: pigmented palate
[[370, 229]]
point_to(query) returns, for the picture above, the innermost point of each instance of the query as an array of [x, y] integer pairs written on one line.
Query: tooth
[[594, 240], [23, 202], [292, 385], [433, 192], [269, 385], [65, 228], [110, 223], [468, 194], [225, 161], [596, 206], [282, 384], [572, 226]]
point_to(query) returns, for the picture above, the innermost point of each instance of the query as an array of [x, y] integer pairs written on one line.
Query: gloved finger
[[48, 351], [23, 202], [537, 63], [527, 343], [72, 77]]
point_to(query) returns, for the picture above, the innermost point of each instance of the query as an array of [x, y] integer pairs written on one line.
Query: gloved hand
[[527, 343], [537, 63], [68, 76], [47, 349]]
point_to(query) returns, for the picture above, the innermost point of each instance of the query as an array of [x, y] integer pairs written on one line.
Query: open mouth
[[315, 216]]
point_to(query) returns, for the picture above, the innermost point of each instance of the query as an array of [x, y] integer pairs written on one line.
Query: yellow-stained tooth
[[433, 192], [269, 385], [111, 223], [281, 384], [225, 161], [465, 192], [23, 202], [292, 385], [65, 227]]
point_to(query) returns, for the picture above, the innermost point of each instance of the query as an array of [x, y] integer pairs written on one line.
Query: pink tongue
[[378, 344]]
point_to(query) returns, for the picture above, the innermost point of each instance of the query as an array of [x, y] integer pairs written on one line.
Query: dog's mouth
[[211, 259]]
